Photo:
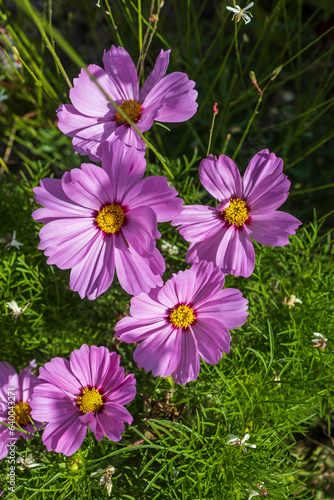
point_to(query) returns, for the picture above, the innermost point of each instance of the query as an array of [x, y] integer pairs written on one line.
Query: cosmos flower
[[247, 207], [90, 389], [98, 219], [241, 13], [92, 120], [15, 397], [186, 319]]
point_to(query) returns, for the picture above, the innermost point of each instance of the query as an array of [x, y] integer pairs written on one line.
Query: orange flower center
[[131, 108], [22, 412]]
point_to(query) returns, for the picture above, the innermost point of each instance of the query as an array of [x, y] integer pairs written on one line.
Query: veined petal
[[189, 365], [122, 71], [156, 74], [273, 228], [155, 193], [197, 222], [86, 96], [160, 353], [220, 177]]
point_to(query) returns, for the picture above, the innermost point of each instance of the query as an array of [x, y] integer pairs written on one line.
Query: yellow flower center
[[110, 218], [90, 400], [131, 108], [182, 316], [22, 412], [236, 213]]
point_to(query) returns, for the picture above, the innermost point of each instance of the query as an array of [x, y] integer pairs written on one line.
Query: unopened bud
[[276, 72], [253, 77], [215, 109]]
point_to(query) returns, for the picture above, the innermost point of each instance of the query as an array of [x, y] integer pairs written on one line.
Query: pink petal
[[86, 96], [160, 353], [88, 186], [198, 222], [133, 330], [155, 193], [95, 273], [124, 166], [147, 306], [273, 228], [207, 345], [174, 98], [122, 72], [111, 419], [89, 363], [52, 404], [156, 74], [235, 254], [64, 437], [137, 274], [265, 187], [189, 365], [228, 306], [220, 177], [140, 229], [58, 372]]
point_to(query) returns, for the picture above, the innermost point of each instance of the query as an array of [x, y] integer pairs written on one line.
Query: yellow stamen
[[22, 412], [110, 218], [90, 400], [131, 108], [182, 316], [236, 213]]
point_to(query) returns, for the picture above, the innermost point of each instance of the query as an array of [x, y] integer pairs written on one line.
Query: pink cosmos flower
[[92, 120], [15, 395], [186, 319], [247, 207], [90, 389], [98, 219]]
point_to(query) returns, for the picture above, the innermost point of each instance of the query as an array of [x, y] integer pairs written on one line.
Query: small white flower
[[240, 442], [29, 462], [263, 491], [14, 242], [16, 310], [291, 302], [169, 248], [321, 340], [241, 13], [106, 478]]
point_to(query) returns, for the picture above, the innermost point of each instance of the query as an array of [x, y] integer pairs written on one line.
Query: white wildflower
[[169, 248], [234, 440], [320, 340], [14, 242], [16, 310], [240, 13], [291, 302]]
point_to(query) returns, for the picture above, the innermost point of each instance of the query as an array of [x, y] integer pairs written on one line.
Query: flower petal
[[65, 437], [220, 177], [95, 273], [198, 222], [86, 96], [122, 72], [189, 365], [265, 187], [156, 74], [174, 98], [155, 193], [235, 254], [135, 273], [58, 372], [160, 353], [273, 228], [133, 330]]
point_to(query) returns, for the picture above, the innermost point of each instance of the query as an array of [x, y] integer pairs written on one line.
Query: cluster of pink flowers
[[98, 219]]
